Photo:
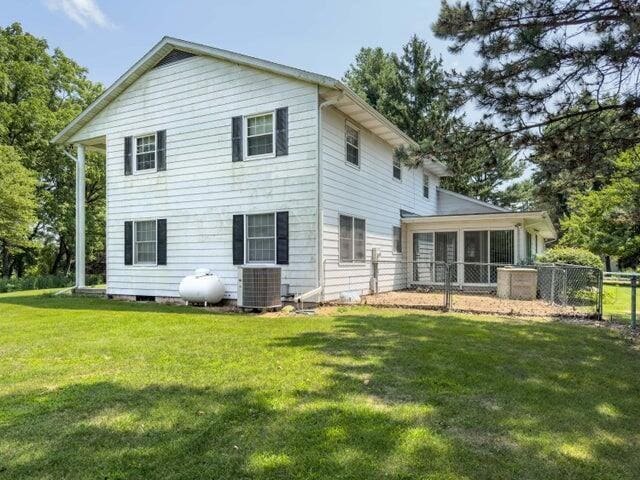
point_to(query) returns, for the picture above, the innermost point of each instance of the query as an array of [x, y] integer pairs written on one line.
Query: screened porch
[[471, 247]]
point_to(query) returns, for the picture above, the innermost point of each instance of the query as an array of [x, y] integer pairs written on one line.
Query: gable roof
[[349, 100], [455, 203]]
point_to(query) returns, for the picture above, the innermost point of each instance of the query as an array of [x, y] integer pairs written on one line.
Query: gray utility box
[[517, 283]]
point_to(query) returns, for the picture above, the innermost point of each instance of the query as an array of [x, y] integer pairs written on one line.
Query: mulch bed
[[474, 303]]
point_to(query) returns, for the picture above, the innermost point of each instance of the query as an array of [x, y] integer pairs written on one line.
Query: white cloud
[[83, 12]]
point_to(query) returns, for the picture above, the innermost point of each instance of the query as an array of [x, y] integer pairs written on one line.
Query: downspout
[[319, 215]]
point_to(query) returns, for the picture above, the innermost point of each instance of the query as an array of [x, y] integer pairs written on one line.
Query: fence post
[[634, 284], [553, 285], [447, 287], [599, 302]]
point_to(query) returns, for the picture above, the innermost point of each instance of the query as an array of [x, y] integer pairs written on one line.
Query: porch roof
[[531, 220]]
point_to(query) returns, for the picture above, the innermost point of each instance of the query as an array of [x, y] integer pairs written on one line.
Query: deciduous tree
[[40, 92]]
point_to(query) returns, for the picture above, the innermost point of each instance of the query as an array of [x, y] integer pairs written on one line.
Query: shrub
[[570, 255], [15, 284]]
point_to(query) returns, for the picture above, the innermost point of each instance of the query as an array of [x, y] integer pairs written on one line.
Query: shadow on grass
[[403, 396], [106, 430], [509, 400], [69, 302]]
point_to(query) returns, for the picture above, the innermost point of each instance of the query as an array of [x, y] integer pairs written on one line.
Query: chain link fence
[[619, 297], [555, 290]]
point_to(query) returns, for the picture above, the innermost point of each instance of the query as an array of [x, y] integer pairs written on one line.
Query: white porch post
[[80, 218], [520, 249]]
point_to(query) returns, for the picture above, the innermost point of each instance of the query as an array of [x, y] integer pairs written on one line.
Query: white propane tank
[[201, 287]]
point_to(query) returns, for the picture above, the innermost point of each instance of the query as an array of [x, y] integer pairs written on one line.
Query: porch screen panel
[[446, 251], [422, 257], [501, 250], [476, 256]]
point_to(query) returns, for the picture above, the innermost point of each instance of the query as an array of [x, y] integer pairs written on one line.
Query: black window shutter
[[282, 131], [128, 155], [238, 239], [282, 236], [128, 243], [162, 241], [161, 150], [236, 139]]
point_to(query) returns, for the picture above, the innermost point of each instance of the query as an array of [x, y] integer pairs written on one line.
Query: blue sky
[[108, 36]]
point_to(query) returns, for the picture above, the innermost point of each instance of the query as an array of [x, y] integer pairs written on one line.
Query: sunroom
[[469, 247]]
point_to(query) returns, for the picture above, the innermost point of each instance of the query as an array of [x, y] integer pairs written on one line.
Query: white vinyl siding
[[195, 100], [367, 193], [145, 242], [145, 152], [260, 135], [261, 238]]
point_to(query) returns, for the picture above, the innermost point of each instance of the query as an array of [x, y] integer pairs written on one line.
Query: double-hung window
[[352, 139], [425, 185], [352, 239], [260, 135], [261, 238], [397, 168], [145, 242], [146, 152], [397, 240]]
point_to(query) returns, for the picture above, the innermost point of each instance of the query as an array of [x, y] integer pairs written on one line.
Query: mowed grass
[[616, 302], [93, 388]]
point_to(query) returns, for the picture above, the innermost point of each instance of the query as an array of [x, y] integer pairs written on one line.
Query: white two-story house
[[218, 160]]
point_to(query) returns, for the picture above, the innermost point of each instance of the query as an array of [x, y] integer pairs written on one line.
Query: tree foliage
[[539, 57], [607, 221], [40, 92], [577, 157], [412, 89], [17, 202]]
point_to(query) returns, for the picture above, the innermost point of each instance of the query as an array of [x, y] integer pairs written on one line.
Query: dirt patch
[[473, 303]]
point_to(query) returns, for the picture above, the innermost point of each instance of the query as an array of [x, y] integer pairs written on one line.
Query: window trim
[[351, 125], [246, 239], [245, 135], [134, 147], [394, 250], [398, 167], [426, 186], [353, 260], [135, 243]]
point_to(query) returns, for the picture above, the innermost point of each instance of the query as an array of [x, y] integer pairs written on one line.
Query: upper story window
[[260, 135], [145, 242], [425, 185], [146, 152], [352, 139], [261, 238], [352, 239], [397, 168]]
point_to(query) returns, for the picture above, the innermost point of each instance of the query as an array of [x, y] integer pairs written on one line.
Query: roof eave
[[544, 216], [165, 45]]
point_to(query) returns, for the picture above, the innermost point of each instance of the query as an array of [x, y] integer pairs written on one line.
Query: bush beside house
[[571, 255]]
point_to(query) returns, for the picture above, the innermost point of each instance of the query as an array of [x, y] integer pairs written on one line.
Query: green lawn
[[102, 389], [616, 303]]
